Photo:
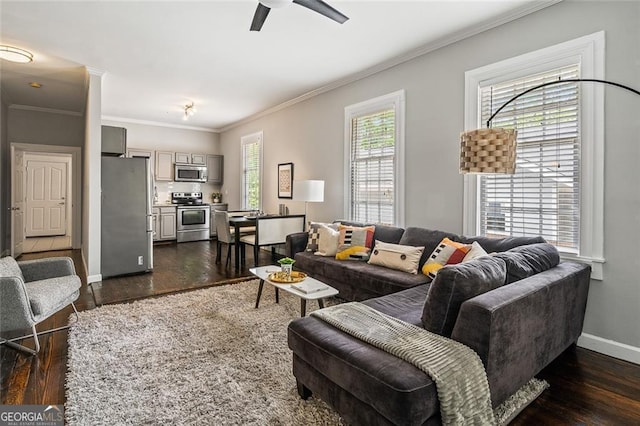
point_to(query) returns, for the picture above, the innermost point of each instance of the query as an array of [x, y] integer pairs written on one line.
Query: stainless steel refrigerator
[[127, 234]]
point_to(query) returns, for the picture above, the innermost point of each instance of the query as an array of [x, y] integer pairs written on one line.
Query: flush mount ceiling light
[[15, 54], [35, 85], [189, 111]]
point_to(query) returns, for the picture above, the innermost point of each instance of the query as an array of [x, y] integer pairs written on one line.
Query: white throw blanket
[[460, 377]]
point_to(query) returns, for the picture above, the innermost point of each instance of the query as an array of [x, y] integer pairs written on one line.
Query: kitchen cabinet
[[114, 140], [188, 158], [183, 157], [200, 159], [164, 165], [164, 223], [215, 169], [142, 153]]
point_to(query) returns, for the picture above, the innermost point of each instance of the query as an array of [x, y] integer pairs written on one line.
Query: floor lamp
[[309, 191]]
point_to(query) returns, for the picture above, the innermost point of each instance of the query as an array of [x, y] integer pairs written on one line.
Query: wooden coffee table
[[263, 272]]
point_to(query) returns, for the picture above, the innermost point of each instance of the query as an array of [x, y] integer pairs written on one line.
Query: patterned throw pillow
[[314, 235], [355, 243], [446, 253]]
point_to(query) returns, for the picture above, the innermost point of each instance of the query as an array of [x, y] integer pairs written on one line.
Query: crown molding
[[47, 110], [400, 59], [159, 124]]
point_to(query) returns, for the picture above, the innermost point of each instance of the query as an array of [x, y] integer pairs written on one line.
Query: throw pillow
[[314, 235], [9, 268], [446, 253], [355, 243], [328, 241], [456, 284], [395, 256], [475, 252]]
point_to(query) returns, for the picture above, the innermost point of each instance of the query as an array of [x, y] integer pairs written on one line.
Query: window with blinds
[[251, 163], [372, 163], [543, 196]]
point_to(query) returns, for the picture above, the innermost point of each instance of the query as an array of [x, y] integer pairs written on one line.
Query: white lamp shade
[[308, 190]]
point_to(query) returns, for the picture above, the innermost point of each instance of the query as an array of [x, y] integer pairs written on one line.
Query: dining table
[[239, 222]]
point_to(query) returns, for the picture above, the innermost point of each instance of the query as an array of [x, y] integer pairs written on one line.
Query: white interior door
[[17, 203], [46, 198]]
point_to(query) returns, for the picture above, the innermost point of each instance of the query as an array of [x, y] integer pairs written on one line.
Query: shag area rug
[[197, 358]]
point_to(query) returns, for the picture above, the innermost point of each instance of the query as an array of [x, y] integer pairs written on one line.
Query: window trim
[[395, 100], [589, 52], [245, 140]]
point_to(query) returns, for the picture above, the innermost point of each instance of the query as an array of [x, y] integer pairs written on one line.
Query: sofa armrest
[[40, 269], [15, 312], [519, 328], [295, 243]]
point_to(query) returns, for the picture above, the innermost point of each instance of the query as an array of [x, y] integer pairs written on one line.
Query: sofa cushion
[[525, 261], [427, 238], [355, 242], [400, 392], [396, 256], [492, 245], [356, 280], [9, 268], [446, 253], [455, 284]]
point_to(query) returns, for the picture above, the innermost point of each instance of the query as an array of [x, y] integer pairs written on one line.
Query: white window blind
[[373, 150], [251, 164], [543, 196]]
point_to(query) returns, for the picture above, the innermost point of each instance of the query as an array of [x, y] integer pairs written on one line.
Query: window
[[252, 171], [374, 157], [556, 191]]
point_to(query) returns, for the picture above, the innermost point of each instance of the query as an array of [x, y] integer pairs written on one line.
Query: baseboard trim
[[94, 278], [610, 347]]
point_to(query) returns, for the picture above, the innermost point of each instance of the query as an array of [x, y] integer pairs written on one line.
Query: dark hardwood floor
[[587, 388]]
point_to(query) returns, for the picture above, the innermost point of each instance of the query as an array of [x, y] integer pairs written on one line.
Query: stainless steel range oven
[[193, 216]]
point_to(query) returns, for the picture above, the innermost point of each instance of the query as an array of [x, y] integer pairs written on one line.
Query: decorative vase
[[287, 268]]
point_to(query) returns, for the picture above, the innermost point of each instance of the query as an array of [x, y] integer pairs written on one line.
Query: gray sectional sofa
[[518, 310]]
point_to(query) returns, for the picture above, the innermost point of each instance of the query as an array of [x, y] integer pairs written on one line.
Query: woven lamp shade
[[488, 151]]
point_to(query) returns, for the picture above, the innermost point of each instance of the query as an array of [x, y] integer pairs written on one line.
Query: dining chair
[[224, 235], [271, 231]]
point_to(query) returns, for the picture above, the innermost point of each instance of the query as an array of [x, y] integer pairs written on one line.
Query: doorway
[[45, 198]]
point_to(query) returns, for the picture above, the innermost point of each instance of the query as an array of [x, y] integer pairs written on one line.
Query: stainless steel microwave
[[190, 173]]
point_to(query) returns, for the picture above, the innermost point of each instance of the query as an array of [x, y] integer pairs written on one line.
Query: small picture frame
[[285, 180]]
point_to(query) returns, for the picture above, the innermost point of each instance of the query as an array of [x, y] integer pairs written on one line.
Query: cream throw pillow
[[475, 252], [328, 239], [396, 256]]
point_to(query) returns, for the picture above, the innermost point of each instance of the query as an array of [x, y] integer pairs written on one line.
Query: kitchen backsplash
[[166, 188]]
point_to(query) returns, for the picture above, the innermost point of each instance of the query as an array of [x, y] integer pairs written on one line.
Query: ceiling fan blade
[[323, 9], [261, 14]]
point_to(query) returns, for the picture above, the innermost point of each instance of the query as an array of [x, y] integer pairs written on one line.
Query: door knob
[[61, 204]]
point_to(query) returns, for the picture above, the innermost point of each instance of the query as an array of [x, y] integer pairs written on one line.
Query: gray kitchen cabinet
[[164, 165], [114, 140], [215, 169], [164, 223]]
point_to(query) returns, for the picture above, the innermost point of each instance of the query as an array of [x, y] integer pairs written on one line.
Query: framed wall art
[[285, 180]]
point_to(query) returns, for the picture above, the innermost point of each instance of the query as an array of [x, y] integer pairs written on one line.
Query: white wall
[[310, 134], [159, 138]]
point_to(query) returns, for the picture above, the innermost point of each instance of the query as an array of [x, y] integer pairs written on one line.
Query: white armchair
[[32, 291]]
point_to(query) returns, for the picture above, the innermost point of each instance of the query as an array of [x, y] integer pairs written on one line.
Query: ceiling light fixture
[[35, 85], [189, 111], [15, 54]]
